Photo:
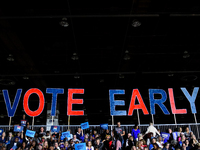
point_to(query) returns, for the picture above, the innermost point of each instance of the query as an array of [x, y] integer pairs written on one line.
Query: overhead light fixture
[[7, 82], [64, 22], [136, 23], [170, 75], [127, 56], [186, 54], [10, 57], [25, 78], [121, 76], [76, 77], [101, 80], [74, 56]]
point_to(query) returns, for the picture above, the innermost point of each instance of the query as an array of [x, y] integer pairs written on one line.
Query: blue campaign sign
[[165, 135], [175, 135], [104, 126], [18, 128], [55, 128], [80, 146], [1, 131], [85, 125], [30, 133], [66, 134]]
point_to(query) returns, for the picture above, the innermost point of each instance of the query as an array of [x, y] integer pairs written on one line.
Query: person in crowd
[[9, 138], [193, 141], [14, 144], [71, 144], [71, 135], [33, 146], [152, 129], [188, 147], [166, 146], [47, 137], [89, 146], [152, 142], [130, 143], [198, 146], [75, 138], [24, 121], [66, 145], [170, 135], [120, 130], [105, 133], [135, 131], [23, 146], [118, 144], [3, 138], [128, 136], [182, 141], [80, 135], [155, 146], [19, 136], [39, 147], [98, 144], [141, 144], [174, 144], [160, 142], [187, 133], [37, 139], [94, 133], [45, 146], [56, 147], [108, 143], [180, 131], [41, 132]]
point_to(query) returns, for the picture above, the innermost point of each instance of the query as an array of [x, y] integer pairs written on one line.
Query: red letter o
[[41, 103]]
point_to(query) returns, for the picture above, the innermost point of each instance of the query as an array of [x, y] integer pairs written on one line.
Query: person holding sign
[[9, 138], [120, 131], [152, 129], [15, 144], [80, 135], [19, 136], [24, 121]]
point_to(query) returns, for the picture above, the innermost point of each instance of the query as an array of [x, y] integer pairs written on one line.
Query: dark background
[[101, 50]]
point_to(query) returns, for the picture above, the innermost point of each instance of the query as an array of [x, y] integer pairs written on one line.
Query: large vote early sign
[[11, 109]]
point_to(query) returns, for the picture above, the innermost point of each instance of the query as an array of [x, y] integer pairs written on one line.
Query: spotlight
[[136, 23], [64, 22]]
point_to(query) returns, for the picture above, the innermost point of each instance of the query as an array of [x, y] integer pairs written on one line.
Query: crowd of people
[[117, 139]]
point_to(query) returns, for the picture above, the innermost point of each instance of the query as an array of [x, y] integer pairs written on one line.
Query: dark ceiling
[[100, 49]]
